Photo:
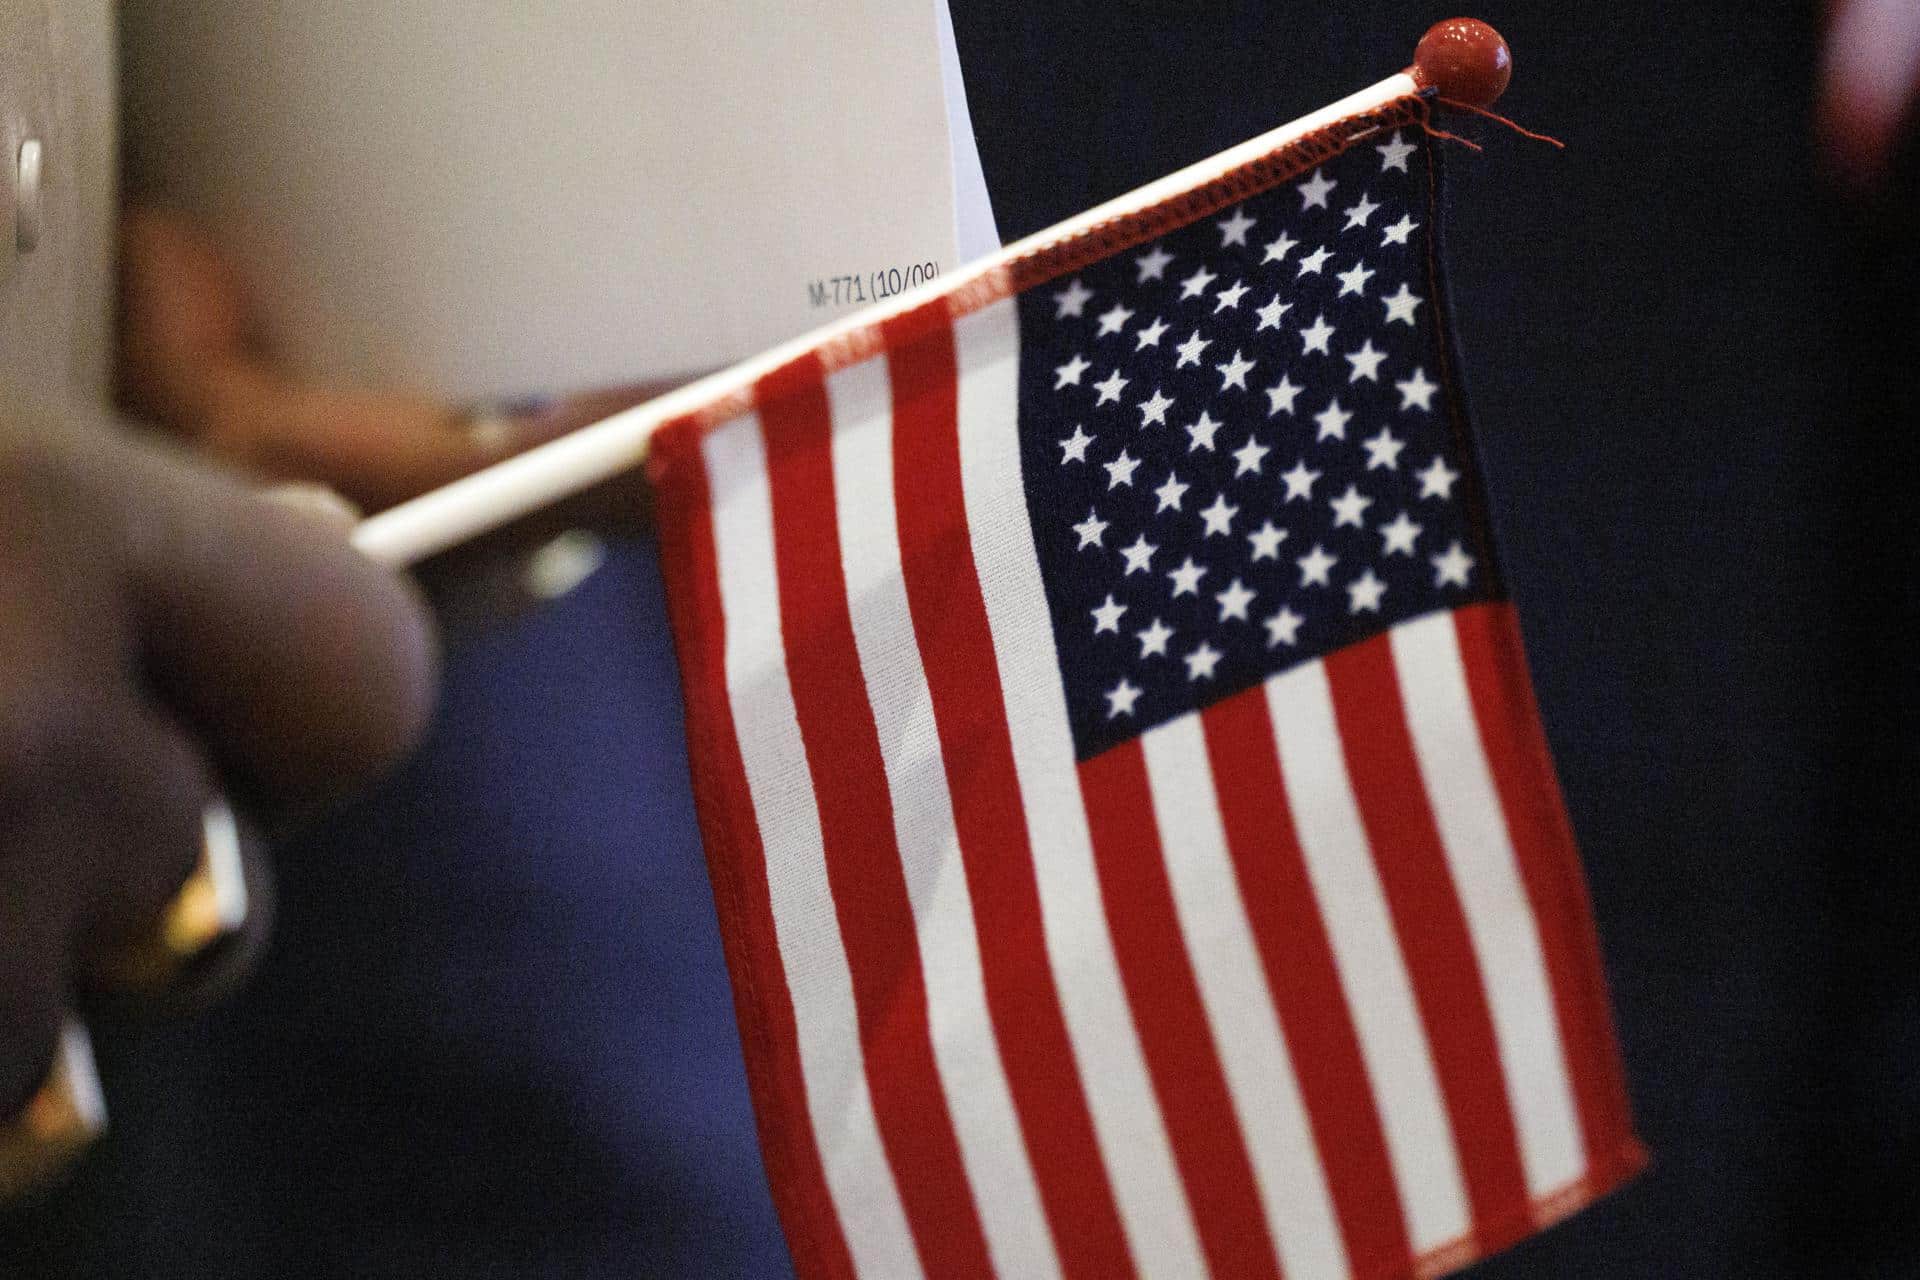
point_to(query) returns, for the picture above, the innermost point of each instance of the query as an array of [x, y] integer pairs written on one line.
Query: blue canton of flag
[[1237, 450]]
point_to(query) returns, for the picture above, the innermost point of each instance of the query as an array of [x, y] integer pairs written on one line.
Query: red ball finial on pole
[[1465, 59]]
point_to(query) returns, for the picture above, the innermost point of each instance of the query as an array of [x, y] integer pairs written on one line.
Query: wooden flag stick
[[1464, 60]]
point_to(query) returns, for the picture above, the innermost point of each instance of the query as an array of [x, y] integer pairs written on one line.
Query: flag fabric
[[1134, 842]]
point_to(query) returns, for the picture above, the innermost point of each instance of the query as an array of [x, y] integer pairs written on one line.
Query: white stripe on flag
[[1506, 940], [1240, 1009], [768, 730], [964, 1045], [1373, 972], [1126, 1117]]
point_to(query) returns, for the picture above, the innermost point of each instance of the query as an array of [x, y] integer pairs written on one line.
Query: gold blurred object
[[58, 1123], [69, 1112], [209, 908]]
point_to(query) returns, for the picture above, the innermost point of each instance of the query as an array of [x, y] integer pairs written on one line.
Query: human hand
[[163, 633]]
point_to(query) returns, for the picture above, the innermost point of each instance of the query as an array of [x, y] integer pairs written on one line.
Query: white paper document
[[499, 199]]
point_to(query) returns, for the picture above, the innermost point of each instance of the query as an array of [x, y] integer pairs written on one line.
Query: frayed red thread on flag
[[1497, 118], [1441, 135]]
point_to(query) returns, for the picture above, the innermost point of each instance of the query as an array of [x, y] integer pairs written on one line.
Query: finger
[[98, 829], [43, 886], [100, 794], [183, 305], [33, 998], [191, 361], [146, 808], [303, 667], [376, 448]]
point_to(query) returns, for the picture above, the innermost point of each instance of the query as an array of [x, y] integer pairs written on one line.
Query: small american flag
[[1135, 846]]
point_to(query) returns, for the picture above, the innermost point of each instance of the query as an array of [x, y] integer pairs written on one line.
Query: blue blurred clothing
[[493, 1036]]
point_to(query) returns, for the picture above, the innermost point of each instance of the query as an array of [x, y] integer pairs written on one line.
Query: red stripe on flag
[[1543, 842], [956, 646], [736, 861], [1305, 982], [856, 822], [1431, 926], [1165, 998]]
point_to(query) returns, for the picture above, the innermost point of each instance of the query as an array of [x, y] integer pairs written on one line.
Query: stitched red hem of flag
[[1504, 1231], [736, 863]]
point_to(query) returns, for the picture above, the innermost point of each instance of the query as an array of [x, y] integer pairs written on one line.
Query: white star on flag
[[1234, 600], [1283, 627], [1139, 555], [1383, 450], [1201, 432], [1153, 639], [1451, 568], [1218, 517], [1091, 530], [1152, 264], [1281, 395], [1186, 579], [1196, 284], [1316, 335], [1332, 421], [1366, 363], [1313, 192], [1202, 661], [1437, 480], [1153, 410], [1315, 566], [1233, 374], [1416, 392], [1364, 592], [1354, 279], [1300, 482], [1350, 508], [1400, 305], [1394, 153], [1247, 457], [1398, 536], [1234, 230], [1074, 447], [1170, 494], [1265, 541]]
